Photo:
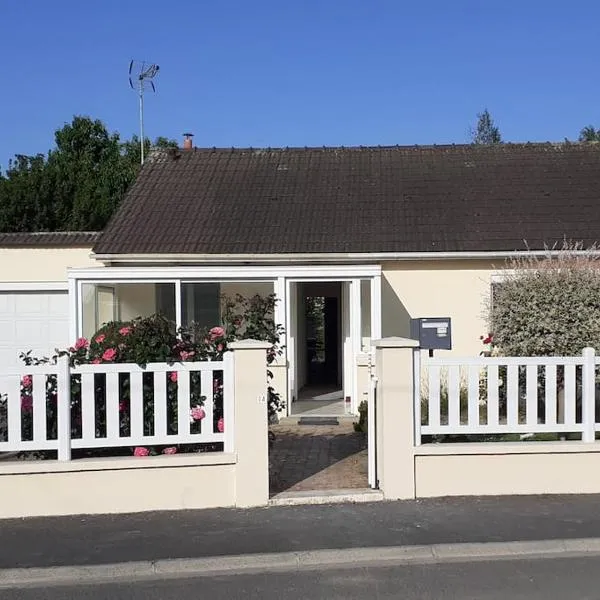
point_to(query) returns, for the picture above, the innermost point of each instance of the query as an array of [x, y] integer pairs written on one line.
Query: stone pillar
[[395, 417], [251, 422]]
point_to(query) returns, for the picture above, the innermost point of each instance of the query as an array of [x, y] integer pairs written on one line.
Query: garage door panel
[[37, 321]]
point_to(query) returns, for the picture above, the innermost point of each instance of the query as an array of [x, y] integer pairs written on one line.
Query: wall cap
[[250, 345], [395, 342], [118, 463]]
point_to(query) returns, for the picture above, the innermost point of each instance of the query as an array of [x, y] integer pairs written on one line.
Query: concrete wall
[[456, 289], [186, 481], [476, 469], [505, 469], [118, 485], [41, 264]]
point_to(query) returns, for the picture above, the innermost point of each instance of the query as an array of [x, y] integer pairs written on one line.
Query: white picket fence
[[484, 396], [113, 434]]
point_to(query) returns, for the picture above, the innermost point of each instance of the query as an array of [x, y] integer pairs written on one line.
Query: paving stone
[[317, 457]]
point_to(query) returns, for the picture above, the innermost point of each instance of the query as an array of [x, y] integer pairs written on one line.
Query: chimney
[[188, 143]]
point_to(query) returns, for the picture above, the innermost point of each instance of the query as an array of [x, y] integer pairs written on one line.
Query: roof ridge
[[359, 148]]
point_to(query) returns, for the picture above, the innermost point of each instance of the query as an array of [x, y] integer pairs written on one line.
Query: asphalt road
[[538, 579], [101, 539]]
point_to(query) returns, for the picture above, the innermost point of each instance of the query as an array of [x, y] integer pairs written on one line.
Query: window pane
[[200, 304]]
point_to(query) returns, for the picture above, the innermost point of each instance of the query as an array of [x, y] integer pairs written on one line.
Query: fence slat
[[183, 403], [137, 405], [160, 405], [473, 418], [113, 402], [512, 395], [531, 380], [454, 395], [570, 386], [207, 389], [550, 395], [433, 413], [39, 408], [88, 407], [492, 395], [14, 410]]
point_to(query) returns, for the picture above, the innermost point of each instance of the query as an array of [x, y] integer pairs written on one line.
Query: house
[[382, 234]]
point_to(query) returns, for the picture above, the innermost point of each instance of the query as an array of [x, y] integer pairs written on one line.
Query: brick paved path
[[317, 457]]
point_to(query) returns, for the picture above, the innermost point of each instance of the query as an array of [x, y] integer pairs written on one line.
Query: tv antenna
[[141, 75]]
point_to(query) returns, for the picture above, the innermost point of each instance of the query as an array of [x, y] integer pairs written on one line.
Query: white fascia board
[[34, 286], [352, 257], [224, 273]]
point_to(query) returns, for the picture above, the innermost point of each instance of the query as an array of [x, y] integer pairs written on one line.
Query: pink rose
[[216, 332], [26, 381], [122, 407], [109, 354], [96, 361], [141, 451], [81, 343], [99, 339], [183, 355], [221, 425], [125, 330], [26, 403], [197, 414], [171, 450], [173, 376], [219, 347]]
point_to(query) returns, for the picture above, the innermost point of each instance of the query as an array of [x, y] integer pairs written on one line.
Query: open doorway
[[320, 363]]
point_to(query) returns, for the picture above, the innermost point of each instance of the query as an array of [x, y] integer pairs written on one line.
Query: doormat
[[318, 421]]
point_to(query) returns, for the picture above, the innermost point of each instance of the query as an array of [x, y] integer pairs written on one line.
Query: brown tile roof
[[338, 200], [49, 239]]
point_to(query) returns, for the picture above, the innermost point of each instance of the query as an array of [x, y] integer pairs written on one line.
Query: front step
[[353, 496]]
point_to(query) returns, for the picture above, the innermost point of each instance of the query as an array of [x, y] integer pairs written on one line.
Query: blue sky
[[304, 72]]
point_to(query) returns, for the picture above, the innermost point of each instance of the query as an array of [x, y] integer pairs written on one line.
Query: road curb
[[295, 561]]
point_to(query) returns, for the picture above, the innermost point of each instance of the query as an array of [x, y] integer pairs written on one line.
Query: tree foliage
[[77, 186], [589, 134], [548, 306], [486, 131]]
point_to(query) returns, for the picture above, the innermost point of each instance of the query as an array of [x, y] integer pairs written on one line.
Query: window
[[201, 304]]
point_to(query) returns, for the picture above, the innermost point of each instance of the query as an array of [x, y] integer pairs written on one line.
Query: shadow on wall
[[395, 319]]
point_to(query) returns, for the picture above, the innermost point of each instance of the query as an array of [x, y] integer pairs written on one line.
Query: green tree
[[486, 131], [548, 306], [77, 186], [589, 134]]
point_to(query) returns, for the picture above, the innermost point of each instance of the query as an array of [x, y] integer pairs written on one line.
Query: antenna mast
[[142, 74]]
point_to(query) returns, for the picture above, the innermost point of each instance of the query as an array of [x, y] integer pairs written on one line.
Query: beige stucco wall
[[505, 470], [42, 264], [456, 289], [117, 485], [246, 288], [136, 300]]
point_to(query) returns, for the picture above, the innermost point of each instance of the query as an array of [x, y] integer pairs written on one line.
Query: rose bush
[[153, 339]]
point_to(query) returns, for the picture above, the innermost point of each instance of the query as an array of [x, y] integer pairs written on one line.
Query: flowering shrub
[[152, 339], [549, 305]]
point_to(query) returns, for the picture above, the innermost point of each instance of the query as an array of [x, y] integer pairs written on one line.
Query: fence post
[[251, 422], [63, 400], [396, 417], [588, 400]]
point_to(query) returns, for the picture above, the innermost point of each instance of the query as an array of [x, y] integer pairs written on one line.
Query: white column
[[355, 338], [75, 311], [290, 342], [178, 307], [376, 307]]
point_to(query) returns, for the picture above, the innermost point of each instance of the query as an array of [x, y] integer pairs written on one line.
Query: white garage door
[[37, 321]]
